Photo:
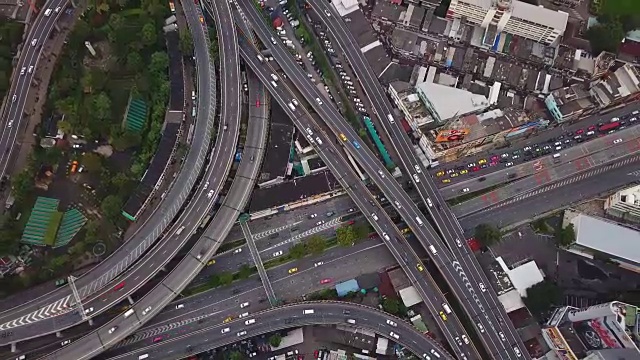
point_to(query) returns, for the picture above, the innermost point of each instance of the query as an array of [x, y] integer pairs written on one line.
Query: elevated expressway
[[372, 166], [324, 313], [57, 310], [458, 265], [14, 111]]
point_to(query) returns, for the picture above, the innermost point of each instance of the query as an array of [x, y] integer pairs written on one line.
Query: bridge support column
[[130, 300], [14, 347], [59, 334]]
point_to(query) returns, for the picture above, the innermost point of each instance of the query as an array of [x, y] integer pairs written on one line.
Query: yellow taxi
[[406, 230], [227, 319], [344, 138], [211, 262], [420, 267], [464, 171], [453, 175], [440, 173], [201, 19], [482, 161], [443, 316], [293, 270], [446, 181]]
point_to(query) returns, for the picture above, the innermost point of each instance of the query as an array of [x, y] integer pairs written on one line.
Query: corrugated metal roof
[[607, 237]]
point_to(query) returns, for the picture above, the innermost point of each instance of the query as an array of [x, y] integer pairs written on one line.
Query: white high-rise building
[[498, 17]]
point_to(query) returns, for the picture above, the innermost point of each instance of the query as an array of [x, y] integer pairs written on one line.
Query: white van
[[419, 221], [308, 311], [351, 321], [143, 356], [129, 313], [446, 308], [293, 108], [433, 250], [273, 83]]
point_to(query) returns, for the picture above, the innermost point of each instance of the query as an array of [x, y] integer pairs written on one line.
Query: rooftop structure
[[625, 204], [409, 103], [445, 103], [620, 86], [603, 237], [569, 103], [510, 17]]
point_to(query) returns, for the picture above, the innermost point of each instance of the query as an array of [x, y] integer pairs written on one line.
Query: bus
[[610, 126]]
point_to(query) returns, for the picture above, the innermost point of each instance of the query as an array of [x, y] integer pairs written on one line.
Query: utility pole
[[74, 289]]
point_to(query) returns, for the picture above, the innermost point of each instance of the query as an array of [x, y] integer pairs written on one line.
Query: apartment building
[[625, 204], [513, 17]]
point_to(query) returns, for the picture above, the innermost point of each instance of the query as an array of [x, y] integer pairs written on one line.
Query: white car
[[237, 251], [295, 102], [429, 203], [394, 335], [244, 305], [481, 327], [15, 97], [502, 337], [88, 310], [206, 185], [22, 71], [210, 194], [113, 329], [320, 223], [312, 216], [180, 306], [374, 216], [381, 174], [465, 339], [418, 170], [225, 330], [319, 101], [326, 12], [389, 322], [517, 351], [398, 204], [30, 69], [10, 124], [277, 253], [508, 164], [458, 242], [465, 190], [416, 178], [66, 342], [616, 141], [482, 287], [34, 42], [318, 263], [243, 315], [145, 311], [242, 333]]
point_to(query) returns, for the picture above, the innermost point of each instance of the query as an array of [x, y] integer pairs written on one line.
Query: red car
[[258, 103], [118, 287], [476, 168], [591, 128], [579, 131], [315, 354], [495, 158], [157, 339], [325, 281]]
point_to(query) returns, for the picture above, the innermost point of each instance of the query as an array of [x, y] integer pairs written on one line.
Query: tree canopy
[[565, 236], [487, 234], [542, 296]]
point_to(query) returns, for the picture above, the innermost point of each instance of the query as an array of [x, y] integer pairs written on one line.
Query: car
[[30, 69], [590, 133], [374, 216], [464, 171], [225, 330], [617, 141], [482, 161], [88, 310], [295, 102], [319, 101], [145, 311], [475, 168], [326, 12], [201, 18], [508, 164], [312, 216], [343, 137], [381, 174], [465, 190], [243, 315], [465, 339], [502, 337], [180, 306], [325, 281], [517, 351], [443, 316], [118, 287], [277, 253], [237, 251], [66, 342], [210, 194], [482, 287], [455, 174], [113, 329], [157, 339], [440, 173], [391, 323], [504, 156], [418, 169], [242, 333], [320, 223], [579, 131], [211, 262], [470, 165], [458, 242], [394, 335], [446, 181], [23, 70], [228, 319], [293, 270], [458, 340], [34, 42], [481, 327], [591, 128], [356, 144], [419, 267], [527, 148], [318, 263]]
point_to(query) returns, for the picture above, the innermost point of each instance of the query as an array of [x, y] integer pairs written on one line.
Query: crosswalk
[[567, 181]]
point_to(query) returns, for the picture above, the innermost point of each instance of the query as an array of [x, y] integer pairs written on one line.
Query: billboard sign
[[558, 344], [602, 333], [452, 135]]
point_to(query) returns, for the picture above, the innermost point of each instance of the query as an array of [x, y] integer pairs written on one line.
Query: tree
[[159, 63], [148, 34], [316, 244], [605, 36], [111, 207], [487, 234], [565, 236], [214, 280], [346, 236], [298, 251], [392, 306], [186, 43], [275, 340], [115, 21], [77, 249], [134, 61], [542, 296], [22, 185], [245, 271], [64, 126], [92, 162], [226, 278], [58, 263], [235, 355], [101, 105]]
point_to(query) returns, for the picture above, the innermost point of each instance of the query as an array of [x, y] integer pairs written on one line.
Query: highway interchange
[[456, 265]]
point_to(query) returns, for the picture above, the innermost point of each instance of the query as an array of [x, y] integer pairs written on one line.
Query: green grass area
[[620, 7], [52, 228], [119, 93]]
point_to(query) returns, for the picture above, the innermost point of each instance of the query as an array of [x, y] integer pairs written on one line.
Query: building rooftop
[[531, 13], [385, 10], [607, 237], [295, 190], [449, 102], [523, 276]]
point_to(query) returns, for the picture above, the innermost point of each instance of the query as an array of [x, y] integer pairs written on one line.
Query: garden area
[[615, 19], [89, 93]]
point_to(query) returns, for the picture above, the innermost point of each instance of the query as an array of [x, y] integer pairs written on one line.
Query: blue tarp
[[346, 287]]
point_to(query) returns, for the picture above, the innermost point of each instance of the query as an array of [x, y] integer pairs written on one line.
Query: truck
[[170, 28], [170, 20], [172, 6]]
